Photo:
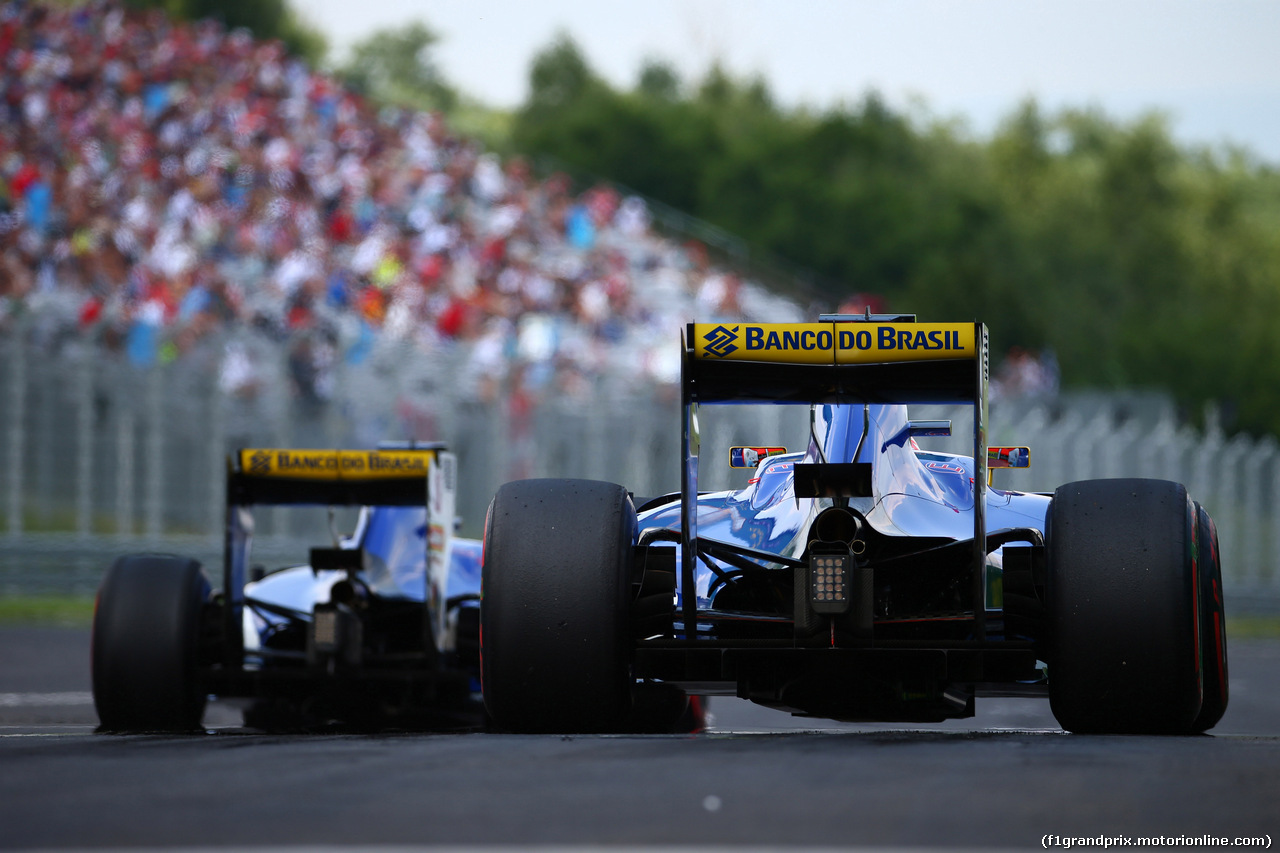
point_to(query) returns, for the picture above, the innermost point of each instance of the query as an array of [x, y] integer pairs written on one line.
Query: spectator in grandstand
[[1023, 374], [163, 182]]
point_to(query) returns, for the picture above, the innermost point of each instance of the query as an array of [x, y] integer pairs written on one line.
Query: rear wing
[[840, 359], [329, 477], [835, 361], [411, 474]]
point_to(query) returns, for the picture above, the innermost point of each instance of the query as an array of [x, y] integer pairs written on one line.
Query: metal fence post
[[1254, 528], [83, 391], [1059, 436], [1274, 517], [215, 474], [153, 504], [595, 452], [1152, 452], [281, 419], [46, 381], [125, 468], [1227, 509], [16, 428]]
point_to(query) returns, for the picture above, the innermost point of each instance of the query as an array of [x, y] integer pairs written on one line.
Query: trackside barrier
[[103, 456]]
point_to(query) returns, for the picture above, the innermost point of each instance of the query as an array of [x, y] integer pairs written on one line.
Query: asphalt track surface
[[1004, 779]]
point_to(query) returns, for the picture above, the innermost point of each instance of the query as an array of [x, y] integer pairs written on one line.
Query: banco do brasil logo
[[720, 340], [260, 463]]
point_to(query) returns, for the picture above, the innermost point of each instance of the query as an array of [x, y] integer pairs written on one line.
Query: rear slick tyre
[[146, 645], [555, 606], [1122, 600], [1213, 624]]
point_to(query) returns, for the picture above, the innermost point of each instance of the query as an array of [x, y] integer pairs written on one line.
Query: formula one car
[[861, 579], [377, 629]]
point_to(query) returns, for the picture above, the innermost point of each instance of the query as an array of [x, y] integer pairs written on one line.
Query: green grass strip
[[78, 612], [46, 610], [1252, 627]]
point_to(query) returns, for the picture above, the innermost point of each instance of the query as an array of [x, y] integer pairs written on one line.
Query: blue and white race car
[[861, 579], [378, 629]]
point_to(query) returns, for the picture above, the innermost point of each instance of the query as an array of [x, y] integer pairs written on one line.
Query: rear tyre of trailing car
[[146, 644], [555, 606], [1123, 602]]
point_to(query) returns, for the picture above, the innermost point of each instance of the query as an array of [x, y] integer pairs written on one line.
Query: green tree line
[[1136, 261]]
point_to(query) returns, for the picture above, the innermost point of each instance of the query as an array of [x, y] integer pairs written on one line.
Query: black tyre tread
[[145, 646], [555, 606], [1121, 602], [1213, 624]]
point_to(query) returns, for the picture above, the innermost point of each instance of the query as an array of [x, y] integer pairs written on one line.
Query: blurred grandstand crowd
[[164, 186]]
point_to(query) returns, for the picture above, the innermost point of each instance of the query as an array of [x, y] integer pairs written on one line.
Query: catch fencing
[[101, 456]]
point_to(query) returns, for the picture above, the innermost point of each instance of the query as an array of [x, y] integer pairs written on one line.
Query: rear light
[[336, 635], [830, 573], [324, 629]]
